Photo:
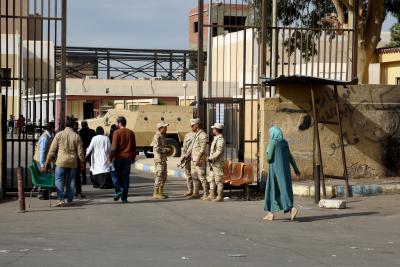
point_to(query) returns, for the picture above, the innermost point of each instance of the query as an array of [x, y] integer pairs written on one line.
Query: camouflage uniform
[[199, 172], [187, 142], [160, 161], [217, 162]]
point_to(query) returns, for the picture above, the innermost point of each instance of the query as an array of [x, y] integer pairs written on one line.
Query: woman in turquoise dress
[[279, 191]]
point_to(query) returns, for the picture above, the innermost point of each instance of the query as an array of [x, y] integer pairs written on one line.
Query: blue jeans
[[120, 176], [69, 175]]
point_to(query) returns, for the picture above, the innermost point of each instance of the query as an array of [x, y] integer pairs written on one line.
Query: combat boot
[[220, 196], [212, 195], [155, 194], [190, 190], [188, 194], [205, 191], [195, 194], [162, 192], [160, 195]]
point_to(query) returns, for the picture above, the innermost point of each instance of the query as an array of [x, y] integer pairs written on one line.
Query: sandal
[[269, 217], [293, 214]]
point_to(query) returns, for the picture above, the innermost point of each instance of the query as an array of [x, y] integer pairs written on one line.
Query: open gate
[[32, 90], [228, 78]]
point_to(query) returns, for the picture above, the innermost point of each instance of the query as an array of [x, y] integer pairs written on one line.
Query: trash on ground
[[185, 258], [222, 233], [237, 255], [4, 251], [332, 204], [48, 249], [333, 255]]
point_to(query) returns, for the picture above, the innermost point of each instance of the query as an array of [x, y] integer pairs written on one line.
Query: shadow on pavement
[[334, 216]]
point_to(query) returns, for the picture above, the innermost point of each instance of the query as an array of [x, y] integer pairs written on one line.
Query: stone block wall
[[371, 125]]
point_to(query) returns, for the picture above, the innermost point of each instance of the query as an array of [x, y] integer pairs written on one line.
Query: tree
[[312, 13], [395, 35]]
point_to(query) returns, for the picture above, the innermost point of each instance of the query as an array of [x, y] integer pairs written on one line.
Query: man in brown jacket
[[67, 149], [123, 154]]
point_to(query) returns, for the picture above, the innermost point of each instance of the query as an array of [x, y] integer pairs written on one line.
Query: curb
[[303, 190], [151, 169], [339, 190]]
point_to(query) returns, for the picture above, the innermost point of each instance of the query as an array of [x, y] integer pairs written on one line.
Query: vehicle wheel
[[148, 154], [174, 146]]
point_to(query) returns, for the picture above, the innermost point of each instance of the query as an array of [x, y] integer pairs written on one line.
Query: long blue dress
[[279, 192]]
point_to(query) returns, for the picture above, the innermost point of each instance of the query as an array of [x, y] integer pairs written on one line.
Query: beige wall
[[227, 63], [137, 88], [390, 72], [75, 108], [371, 124]]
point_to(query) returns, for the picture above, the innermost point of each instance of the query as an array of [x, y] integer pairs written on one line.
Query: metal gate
[[30, 31], [228, 79]]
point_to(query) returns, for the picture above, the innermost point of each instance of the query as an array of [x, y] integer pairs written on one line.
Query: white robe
[[100, 147]]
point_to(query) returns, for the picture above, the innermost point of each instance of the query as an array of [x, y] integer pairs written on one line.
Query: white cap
[[194, 121], [162, 124], [219, 126]]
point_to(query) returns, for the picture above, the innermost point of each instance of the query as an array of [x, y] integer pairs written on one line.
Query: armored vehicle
[[143, 121]]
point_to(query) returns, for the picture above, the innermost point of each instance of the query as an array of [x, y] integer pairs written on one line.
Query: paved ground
[[179, 232]]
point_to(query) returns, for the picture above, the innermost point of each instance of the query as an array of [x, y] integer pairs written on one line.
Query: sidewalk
[[334, 188]]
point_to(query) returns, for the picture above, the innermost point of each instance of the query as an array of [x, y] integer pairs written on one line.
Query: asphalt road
[[180, 232]]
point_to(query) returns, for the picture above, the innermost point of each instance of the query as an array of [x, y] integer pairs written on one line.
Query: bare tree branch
[[339, 10]]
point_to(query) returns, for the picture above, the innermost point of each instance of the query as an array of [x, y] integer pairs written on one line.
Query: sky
[[151, 24], [129, 23]]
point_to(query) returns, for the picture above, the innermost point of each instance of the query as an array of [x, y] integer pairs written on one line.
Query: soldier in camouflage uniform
[[199, 160], [217, 162], [186, 162], [160, 160]]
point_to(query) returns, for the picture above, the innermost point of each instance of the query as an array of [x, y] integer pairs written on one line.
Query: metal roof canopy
[[319, 175], [303, 79]]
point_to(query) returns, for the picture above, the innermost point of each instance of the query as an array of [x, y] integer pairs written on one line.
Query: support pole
[[317, 139], [317, 183], [339, 117], [21, 190]]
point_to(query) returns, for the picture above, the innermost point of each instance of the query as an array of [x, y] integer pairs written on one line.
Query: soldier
[[160, 160], [199, 160], [217, 162], [186, 161]]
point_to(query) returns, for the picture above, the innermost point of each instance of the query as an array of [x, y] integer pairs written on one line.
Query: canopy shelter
[[319, 175]]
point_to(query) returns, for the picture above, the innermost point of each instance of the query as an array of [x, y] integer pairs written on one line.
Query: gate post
[[21, 190], [200, 62], [63, 61], [3, 144]]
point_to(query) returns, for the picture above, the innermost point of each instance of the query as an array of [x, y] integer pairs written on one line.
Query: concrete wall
[[128, 88], [371, 124]]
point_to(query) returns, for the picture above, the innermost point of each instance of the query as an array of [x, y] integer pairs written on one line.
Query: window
[[398, 80], [5, 77], [234, 21], [215, 29], [196, 27]]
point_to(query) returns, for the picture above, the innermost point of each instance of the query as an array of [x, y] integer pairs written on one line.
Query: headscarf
[[275, 133]]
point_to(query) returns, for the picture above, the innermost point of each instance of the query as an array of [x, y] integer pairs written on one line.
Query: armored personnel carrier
[[143, 121]]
